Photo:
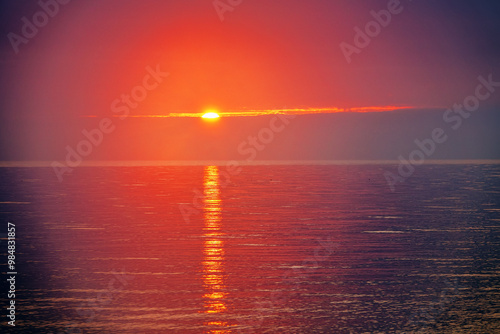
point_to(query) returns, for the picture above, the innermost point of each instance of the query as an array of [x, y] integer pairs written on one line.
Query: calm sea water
[[278, 249]]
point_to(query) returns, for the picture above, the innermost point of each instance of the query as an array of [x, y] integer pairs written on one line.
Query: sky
[[127, 80]]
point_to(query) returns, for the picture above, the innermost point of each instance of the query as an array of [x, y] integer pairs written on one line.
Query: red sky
[[265, 55]]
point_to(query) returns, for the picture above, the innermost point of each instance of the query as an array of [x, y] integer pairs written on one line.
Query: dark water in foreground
[[280, 249]]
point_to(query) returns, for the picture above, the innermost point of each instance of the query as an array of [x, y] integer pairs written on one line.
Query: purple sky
[[264, 55]]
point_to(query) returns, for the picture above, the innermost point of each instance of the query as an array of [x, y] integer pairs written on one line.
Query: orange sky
[[266, 57]]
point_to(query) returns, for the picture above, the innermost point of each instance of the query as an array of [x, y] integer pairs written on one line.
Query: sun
[[210, 115]]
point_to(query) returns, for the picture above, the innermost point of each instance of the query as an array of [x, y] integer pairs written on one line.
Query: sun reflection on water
[[213, 251]]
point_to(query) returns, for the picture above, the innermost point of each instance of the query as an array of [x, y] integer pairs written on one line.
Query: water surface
[[275, 249]]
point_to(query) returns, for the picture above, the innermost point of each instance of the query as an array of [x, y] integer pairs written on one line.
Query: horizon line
[[166, 163]]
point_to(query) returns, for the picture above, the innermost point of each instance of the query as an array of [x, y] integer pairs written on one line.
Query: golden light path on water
[[213, 251]]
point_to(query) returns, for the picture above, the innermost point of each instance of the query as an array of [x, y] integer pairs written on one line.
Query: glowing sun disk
[[210, 115]]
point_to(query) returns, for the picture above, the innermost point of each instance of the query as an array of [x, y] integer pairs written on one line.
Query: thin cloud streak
[[284, 111]]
